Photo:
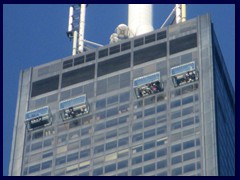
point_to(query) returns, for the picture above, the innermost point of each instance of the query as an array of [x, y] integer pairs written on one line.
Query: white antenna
[[70, 19], [180, 13], [81, 28], [139, 19], [76, 28]]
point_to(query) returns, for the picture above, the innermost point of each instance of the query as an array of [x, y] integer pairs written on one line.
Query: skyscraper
[[156, 104]]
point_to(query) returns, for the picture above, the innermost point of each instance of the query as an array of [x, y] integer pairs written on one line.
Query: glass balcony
[[147, 85], [38, 118], [73, 107], [184, 74]]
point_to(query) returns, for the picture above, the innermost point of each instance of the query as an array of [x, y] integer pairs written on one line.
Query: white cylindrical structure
[[178, 13], [139, 19], [184, 13], [74, 51], [70, 19], [81, 28]]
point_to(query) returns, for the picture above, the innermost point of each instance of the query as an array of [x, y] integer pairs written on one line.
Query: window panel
[[175, 114], [67, 64], [98, 149], [150, 38], [72, 157], [188, 122], [125, 80], [112, 112], [176, 125], [85, 153], [137, 137], [150, 53], [188, 156], [85, 142], [123, 141], [45, 85], [138, 42], [175, 103], [111, 134], [176, 148], [103, 53], [136, 160], [60, 160], [149, 111], [90, 57], [114, 64], [79, 60], [124, 97], [187, 100], [149, 156], [78, 75], [111, 145], [110, 168], [137, 126], [149, 168], [161, 35], [149, 133], [111, 123], [177, 159], [183, 43], [122, 164], [161, 164], [98, 171], [125, 46], [101, 86], [112, 100], [189, 167], [162, 152], [177, 171], [188, 144], [34, 168], [114, 49], [137, 171], [161, 108], [161, 130], [187, 111]]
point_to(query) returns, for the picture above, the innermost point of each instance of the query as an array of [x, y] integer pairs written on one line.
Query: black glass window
[[161, 35], [79, 60], [150, 53], [114, 64], [90, 57], [67, 64], [78, 75], [138, 42], [150, 38], [125, 46], [45, 85], [183, 43], [114, 49], [103, 53]]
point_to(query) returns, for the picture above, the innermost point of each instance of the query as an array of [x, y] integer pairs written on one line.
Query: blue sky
[[36, 34]]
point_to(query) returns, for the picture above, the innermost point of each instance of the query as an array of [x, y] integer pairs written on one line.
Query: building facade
[[157, 104]]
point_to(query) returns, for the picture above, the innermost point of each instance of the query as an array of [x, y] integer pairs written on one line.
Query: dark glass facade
[[168, 129]]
